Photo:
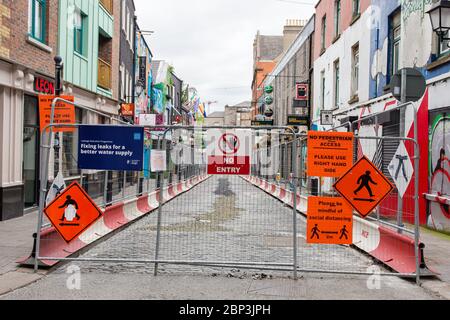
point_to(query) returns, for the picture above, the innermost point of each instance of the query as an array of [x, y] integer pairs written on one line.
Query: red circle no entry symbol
[[229, 143]]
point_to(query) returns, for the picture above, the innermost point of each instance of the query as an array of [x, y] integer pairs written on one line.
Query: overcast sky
[[210, 42]]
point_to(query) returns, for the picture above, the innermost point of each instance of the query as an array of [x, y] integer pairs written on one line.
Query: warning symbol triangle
[[364, 186]]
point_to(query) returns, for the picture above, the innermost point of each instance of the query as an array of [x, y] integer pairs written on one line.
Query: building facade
[[83, 34], [143, 76], [127, 47], [295, 67], [341, 50], [22, 36], [266, 49], [238, 115], [359, 47]]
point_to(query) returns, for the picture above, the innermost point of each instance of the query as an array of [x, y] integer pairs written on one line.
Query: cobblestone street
[[221, 220]]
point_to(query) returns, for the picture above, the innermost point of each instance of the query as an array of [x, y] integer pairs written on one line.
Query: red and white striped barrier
[[387, 246], [52, 244]]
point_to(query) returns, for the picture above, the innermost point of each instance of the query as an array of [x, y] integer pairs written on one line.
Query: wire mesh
[[226, 221]]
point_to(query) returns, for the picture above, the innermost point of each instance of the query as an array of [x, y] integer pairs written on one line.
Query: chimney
[[291, 29]]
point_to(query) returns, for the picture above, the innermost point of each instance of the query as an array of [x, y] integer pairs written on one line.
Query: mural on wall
[[439, 213]]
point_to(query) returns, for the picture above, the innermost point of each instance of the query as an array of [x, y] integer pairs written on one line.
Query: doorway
[[31, 151]]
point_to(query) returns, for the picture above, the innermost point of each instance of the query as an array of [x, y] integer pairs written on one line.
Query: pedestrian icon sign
[[330, 221], [401, 169], [364, 187], [72, 212]]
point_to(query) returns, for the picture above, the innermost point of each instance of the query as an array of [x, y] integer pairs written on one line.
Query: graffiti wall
[[439, 170]]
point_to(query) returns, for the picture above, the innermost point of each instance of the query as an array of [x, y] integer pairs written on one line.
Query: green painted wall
[[81, 70]]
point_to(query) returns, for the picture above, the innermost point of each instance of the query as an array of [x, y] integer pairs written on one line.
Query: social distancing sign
[[330, 154], [229, 152], [330, 221]]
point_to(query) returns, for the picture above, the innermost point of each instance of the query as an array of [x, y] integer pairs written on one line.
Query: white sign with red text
[[229, 151]]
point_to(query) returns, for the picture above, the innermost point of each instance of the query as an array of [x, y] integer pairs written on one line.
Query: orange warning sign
[[330, 154], [64, 112], [72, 212], [364, 187], [330, 221]]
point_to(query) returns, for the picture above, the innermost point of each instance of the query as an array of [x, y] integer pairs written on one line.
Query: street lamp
[[440, 18]]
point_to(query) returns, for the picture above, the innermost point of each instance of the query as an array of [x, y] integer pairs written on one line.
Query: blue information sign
[[111, 148]]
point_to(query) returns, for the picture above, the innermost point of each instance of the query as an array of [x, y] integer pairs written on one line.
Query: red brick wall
[[22, 51]]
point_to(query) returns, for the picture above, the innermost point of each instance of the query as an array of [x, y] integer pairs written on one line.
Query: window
[[122, 82], [444, 45], [355, 69], [123, 15], [130, 34], [127, 31], [79, 32], [324, 32], [336, 83], [37, 13], [322, 90], [395, 34], [337, 18], [356, 8]]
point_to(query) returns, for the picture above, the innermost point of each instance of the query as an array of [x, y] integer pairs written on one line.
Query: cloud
[[210, 42]]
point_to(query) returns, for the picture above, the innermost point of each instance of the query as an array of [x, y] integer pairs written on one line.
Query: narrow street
[[227, 220]]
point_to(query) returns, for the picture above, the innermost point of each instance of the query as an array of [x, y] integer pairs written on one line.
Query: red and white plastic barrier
[[387, 246], [114, 217]]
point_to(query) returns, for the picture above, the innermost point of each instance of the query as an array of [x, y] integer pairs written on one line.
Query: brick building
[[27, 48], [32, 33]]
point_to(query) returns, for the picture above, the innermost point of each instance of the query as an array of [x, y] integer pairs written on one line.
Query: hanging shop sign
[[127, 109]]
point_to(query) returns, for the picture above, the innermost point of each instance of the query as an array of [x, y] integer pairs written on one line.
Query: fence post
[[416, 194], [294, 211], [162, 145], [45, 154], [105, 189]]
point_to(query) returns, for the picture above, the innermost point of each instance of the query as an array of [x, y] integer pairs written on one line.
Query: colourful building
[[359, 47]]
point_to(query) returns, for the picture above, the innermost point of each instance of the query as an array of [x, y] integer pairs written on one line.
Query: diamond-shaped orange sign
[[364, 187], [72, 212]]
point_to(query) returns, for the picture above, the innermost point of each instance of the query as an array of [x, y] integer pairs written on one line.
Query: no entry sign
[[229, 152]]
